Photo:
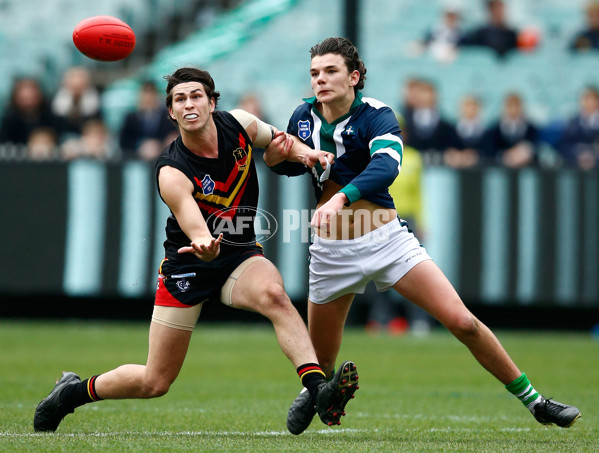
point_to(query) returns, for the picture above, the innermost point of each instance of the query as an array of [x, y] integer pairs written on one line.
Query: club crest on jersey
[[207, 185], [241, 158], [350, 131], [303, 130]]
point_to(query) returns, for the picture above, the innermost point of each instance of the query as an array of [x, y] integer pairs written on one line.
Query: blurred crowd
[[69, 124], [512, 139]]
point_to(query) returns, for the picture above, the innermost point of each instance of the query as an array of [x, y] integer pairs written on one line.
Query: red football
[[104, 38]]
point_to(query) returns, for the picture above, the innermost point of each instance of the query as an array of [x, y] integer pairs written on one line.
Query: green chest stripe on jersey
[[327, 130], [327, 142]]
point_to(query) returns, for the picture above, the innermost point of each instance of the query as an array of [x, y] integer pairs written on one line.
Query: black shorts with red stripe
[[184, 284]]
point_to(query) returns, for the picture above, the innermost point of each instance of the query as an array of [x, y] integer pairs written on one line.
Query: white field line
[[188, 433], [244, 433]]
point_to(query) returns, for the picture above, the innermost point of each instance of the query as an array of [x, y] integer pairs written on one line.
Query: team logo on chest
[[207, 185], [241, 158], [303, 130]]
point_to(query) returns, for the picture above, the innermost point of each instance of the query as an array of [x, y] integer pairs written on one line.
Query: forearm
[[299, 152], [377, 176], [273, 156], [191, 221]]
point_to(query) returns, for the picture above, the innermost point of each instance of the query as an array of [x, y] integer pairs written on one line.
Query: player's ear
[[354, 78]]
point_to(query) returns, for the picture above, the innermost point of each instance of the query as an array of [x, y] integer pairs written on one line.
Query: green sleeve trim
[[381, 144], [352, 193]]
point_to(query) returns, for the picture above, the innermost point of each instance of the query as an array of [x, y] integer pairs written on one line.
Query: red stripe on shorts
[[164, 298]]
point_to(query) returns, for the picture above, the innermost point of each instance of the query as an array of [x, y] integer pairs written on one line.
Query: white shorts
[[385, 255]]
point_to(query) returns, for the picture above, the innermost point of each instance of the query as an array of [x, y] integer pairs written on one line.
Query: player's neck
[[332, 111], [202, 142]]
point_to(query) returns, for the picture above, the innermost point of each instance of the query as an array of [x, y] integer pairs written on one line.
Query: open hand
[[205, 252]]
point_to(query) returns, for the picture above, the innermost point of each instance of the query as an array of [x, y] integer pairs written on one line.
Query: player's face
[[331, 80], [191, 107]]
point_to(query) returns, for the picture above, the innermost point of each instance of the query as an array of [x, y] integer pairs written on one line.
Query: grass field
[[416, 394]]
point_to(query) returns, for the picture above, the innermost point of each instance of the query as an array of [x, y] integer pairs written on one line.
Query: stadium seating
[[39, 43], [279, 33]]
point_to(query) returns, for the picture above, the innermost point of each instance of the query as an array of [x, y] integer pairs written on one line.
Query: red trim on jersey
[[164, 298], [225, 186], [229, 214], [241, 140], [240, 194]]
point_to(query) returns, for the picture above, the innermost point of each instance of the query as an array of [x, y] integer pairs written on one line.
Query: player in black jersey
[[207, 177]]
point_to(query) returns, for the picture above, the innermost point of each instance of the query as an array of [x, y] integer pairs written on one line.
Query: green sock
[[522, 389]]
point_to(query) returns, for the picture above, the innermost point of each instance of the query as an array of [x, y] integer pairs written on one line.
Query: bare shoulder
[[170, 174], [172, 181]]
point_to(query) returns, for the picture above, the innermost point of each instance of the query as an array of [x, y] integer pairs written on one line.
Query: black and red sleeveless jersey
[[225, 189]]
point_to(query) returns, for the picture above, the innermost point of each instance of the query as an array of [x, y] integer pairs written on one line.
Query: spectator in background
[[427, 131], [496, 34], [250, 102], [410, 93], [589, 37], [42, 145], [467, 142], [512, 140], [28, 111], [95, 143], [147, 130], [77, 100], [443, 38], [579, 144]]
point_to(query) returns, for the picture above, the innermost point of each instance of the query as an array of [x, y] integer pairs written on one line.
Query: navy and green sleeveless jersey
[[366, 142], [225, 189]]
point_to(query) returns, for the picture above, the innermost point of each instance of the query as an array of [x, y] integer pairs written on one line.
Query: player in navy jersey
[[208, 180], [358, 237]]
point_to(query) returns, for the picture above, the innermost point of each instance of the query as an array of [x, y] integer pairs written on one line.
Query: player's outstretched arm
[[276, 143], [278, 149], [300, 152], [177, 192]]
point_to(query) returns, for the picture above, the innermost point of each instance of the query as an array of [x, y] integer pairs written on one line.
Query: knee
[[155, 388], [275, 297], [464, 326]]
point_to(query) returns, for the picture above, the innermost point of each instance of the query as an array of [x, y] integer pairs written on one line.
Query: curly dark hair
[[184, 75], [349, 52]]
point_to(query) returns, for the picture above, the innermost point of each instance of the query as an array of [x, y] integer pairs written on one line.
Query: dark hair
[[184, 75], [592, 89], [349, 52]]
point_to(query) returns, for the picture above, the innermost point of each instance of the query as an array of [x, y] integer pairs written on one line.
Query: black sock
[[82, 393], [312, 376]]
